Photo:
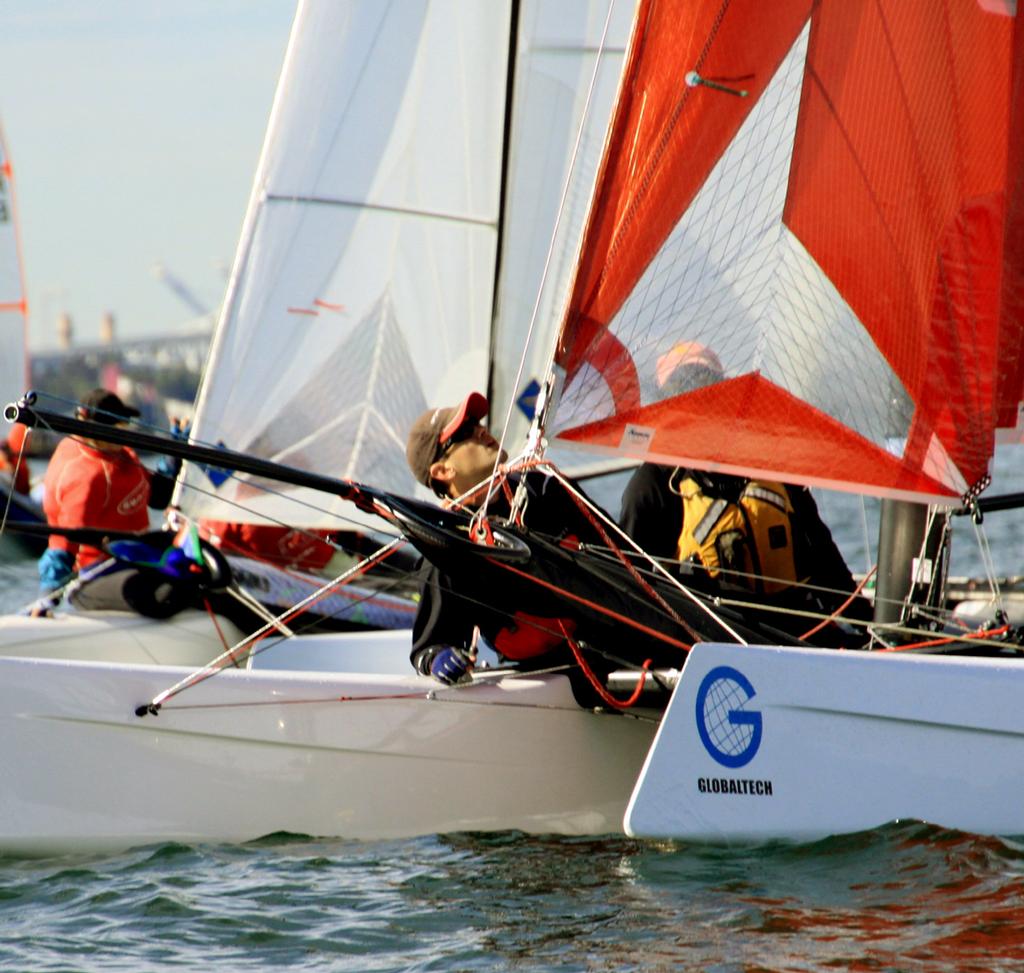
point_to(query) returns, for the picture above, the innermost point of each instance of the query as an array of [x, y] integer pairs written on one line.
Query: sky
[[134, 128]]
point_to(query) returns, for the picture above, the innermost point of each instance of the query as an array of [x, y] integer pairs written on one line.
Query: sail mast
[[503, 188]]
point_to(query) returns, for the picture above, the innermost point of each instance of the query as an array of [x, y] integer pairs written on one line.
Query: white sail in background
[[13, 305], [363, 287], [557, 44]]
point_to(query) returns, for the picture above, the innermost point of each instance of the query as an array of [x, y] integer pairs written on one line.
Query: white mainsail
[[368, 274], [13, 303], [363, 284]]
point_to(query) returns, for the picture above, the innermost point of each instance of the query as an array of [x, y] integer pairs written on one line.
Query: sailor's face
[[472, 459]]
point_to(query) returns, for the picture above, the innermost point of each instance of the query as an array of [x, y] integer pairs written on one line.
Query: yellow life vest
[[749, 537]]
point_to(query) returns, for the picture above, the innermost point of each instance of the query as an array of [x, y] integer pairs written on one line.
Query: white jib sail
[[557, 44]]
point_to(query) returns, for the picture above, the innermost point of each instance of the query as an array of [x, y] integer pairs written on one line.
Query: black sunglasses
[[464, 432]]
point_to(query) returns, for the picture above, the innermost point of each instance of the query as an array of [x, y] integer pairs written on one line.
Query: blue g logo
[[729, 733]]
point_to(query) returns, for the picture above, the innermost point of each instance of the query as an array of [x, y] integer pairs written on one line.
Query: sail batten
[[835, 238], [381, 208]]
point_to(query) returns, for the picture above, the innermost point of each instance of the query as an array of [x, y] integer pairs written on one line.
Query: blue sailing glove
[[449, 665], [56, 569]]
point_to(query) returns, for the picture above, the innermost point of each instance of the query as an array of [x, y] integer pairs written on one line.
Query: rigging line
[[989, 564], [839, 611], [213, 667], [980, 637], [312, 577], [523, 463], [14, 479], [242, 595], [256, 484], [315, 621], [372, 597], [600, 609], [280, 494], [433, 693], [585, 506], [532, 445], [608, 555], [381, 208], [659, 569], [872, 627], [607, 697]]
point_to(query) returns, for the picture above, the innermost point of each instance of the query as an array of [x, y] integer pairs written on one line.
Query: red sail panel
[[870, 276], [896, 190], [1010, 382], [665, 138], [819, 450]]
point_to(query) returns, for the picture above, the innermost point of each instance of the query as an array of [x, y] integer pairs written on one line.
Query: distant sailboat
[[14, 375], [14, 366]]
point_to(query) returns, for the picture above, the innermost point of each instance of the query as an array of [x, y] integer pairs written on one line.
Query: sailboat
[[17, 506], [784, 186], [360, 293], [829, 196]]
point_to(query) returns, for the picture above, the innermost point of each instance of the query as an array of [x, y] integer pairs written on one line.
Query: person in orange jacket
[[90, 483], [12, 460]]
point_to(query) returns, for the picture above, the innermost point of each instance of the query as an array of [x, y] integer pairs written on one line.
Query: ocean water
[[904, 897]]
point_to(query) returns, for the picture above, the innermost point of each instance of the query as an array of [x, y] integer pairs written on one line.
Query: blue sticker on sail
[[527, 400], [731, 734]]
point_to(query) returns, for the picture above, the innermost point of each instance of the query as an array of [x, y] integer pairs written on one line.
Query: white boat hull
[[186, 639], [190, 638], [245, 754], [767, 742]]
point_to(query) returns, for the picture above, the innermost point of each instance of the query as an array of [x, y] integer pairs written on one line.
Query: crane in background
[[181, 290]]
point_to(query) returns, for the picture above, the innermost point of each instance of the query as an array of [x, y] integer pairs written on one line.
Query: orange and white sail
[[827, 198], [13, 304]]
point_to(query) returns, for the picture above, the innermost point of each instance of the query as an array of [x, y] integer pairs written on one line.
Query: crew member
[[452, 453], [12, 459], [90, 483], [764, 536]]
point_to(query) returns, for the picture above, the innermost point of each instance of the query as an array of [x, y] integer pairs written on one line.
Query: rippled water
[[906, 897]]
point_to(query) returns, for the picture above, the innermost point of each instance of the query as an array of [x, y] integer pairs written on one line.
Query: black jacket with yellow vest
[[760, 535]]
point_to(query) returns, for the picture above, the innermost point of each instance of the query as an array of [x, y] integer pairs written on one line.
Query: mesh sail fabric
[[835, 236]]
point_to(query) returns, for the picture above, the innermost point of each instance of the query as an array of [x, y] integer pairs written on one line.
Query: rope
[[216, 625], [632, 623], [596, 683], [594, 514], [212, 668], [950, 639], [839, 611]]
